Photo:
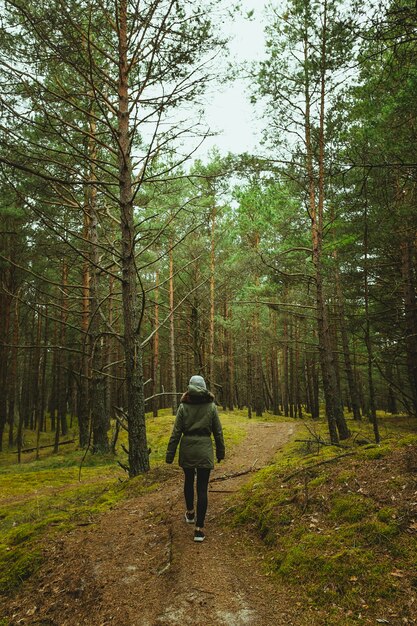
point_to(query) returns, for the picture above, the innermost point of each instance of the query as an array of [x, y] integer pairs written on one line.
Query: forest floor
[[137, 564]]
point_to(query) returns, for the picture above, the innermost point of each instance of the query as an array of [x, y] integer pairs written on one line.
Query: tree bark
[[83, 409], [212, 296], [368, 343], [335, 418], [132, 316], [410, 312], [174, 402], [155, 357]]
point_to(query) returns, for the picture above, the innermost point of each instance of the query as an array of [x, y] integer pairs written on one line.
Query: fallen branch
[[321, 442], [51, 445], [235, 475], [121, 424], [306, 469], [222, 490]]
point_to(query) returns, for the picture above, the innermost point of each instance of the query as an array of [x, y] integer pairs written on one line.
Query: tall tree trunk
[[285, 365], [368, 343], [274, 364], [53, 397], [155, 358], [249, 378], [230, 360], [353, 392], [109, 354], [42, 399], [83, 412], [258, 398], [212, 298], [132, 315], [174, 402], [410, 310], [13, 373], [391, 401], [62, 377], [335, 418], [5, 304], [297, 390], [99, 417], [38, 382]]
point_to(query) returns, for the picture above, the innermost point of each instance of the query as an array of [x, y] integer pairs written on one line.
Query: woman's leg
[[189, 488], [203, 476]]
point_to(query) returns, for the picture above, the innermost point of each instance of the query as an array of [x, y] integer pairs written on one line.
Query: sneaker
[[190, 517], [199, 535]]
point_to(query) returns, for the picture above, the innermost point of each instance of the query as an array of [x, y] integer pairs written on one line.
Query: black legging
[[203, 476]]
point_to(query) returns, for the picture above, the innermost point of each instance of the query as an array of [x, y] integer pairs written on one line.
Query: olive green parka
[[197, 419]]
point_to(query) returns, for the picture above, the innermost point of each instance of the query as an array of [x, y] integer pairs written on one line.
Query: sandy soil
[[139, 565]]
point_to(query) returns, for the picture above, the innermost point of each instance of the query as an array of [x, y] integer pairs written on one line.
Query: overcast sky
[[229, 110]]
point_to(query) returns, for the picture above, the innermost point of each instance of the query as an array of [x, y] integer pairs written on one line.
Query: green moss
[[20, 534], [345, 476], [316, 482], [376, 532], [17, 565], [374, 452], [349, 508], [332, 571], [409, 440], [387, 514]]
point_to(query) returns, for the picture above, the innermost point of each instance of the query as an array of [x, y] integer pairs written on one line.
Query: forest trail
[[139, 566]]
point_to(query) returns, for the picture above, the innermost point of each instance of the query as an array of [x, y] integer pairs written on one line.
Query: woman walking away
[[196, 420]]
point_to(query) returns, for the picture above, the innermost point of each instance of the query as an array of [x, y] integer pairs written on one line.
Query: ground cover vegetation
[[287, 278], [339, 525]]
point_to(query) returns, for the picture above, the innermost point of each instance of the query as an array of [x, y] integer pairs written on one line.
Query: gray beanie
[[198, 381]]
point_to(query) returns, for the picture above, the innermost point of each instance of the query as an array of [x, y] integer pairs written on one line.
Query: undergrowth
[[339, 524]]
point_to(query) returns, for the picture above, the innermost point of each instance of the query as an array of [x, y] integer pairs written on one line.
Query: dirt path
[[140, 567]]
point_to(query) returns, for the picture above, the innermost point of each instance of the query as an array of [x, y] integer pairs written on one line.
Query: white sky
[[230, 111]]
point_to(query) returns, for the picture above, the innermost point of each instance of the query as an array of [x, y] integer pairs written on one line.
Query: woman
[[196, 420]]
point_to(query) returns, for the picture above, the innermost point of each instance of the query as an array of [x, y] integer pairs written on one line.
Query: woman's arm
[[218, 435], [175, 436]]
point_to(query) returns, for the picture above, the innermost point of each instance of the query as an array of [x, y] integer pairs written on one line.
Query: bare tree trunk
[[285, 367], [291, 369], [62, 377], [274, 364], [5, 304], [155, 362], [83, 412], [13, 374], [53, 397], [297, 390], [353, 392], [257, 377], [212, 299], [132, 315], [42, 399], [109, 354], [99, 417], [38, 382], [335, 418], [410, 309], [249, 379], [368, 343], [231, 364], [174, 403]]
